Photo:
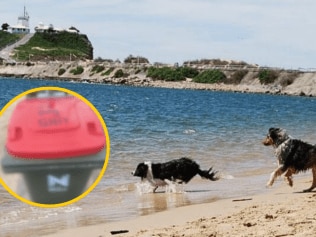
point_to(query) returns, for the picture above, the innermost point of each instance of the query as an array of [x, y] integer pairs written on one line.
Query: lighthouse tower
[[22, 26]]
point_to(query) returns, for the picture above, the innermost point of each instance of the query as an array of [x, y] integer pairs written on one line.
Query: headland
[[286, 82], [64, 55]]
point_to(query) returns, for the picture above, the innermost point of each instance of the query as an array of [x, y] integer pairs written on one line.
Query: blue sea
[[220, 129]]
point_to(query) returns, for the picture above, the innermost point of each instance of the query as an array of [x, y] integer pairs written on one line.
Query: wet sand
[[283, 211]]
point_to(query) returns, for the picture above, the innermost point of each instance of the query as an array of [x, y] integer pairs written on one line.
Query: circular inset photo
[[55, 147]]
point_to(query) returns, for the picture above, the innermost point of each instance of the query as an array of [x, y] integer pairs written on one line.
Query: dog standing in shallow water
[[293, 156], [176, 171]]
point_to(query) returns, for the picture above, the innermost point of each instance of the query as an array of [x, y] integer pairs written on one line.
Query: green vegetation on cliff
[[7, 38], [210, 76], [267, 76], [171, 74], [55, 46], [181, 73]]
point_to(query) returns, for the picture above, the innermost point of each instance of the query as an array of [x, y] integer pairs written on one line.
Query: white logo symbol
[[58, 184]]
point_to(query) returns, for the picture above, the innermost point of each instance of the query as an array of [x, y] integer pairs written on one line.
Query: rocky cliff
[[286, 82]]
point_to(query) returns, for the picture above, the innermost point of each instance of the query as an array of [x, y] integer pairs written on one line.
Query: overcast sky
[[280, 33]]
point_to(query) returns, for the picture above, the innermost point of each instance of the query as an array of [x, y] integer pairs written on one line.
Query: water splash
[[145, 187]]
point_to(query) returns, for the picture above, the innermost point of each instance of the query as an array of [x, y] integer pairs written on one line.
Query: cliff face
[[287, 82]]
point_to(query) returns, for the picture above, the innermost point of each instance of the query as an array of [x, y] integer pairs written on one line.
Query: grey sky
[[277, 33]]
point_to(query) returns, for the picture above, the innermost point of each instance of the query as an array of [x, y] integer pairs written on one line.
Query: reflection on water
[[156, 202]]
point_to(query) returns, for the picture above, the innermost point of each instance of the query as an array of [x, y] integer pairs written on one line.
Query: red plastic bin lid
[[54, 128]]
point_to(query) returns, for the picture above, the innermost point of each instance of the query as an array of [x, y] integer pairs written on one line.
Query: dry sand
[[284, 211]]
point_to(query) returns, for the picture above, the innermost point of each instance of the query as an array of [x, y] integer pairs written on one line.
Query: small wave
[[189, 131]]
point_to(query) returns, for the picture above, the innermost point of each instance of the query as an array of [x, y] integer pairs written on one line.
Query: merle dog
[[293, 156]]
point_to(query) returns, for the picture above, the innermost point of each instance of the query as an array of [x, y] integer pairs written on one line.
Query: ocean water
[[219, 129]]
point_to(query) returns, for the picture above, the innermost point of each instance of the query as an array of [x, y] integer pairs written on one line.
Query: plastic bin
[[55, 141]]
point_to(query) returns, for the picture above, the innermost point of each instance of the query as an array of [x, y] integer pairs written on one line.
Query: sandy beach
[[283, 211]]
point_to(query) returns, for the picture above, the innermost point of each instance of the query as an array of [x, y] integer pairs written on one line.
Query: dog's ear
[[278, 134], [142, 170], [271, 130], [274, 132]]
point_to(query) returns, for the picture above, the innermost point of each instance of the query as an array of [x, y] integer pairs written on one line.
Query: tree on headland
[[101, 60], [5, 26], [136, 59]]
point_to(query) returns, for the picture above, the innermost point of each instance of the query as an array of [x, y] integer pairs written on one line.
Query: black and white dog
[[293, 156], [175, 171]]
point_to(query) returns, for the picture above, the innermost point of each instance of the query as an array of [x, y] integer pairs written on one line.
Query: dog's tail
[[209, 174]]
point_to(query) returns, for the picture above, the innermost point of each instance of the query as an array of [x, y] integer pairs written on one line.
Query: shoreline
[[283, 211], [210, 219], [304, 83]]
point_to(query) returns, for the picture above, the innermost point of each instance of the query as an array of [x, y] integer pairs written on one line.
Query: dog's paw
[[269, 185], [289, 180], [290, 183]]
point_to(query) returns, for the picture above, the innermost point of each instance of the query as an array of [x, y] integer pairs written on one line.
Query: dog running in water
[[175, 171], [293, 156]]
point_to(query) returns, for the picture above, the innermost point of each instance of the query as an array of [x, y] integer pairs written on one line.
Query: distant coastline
[[301, 83]]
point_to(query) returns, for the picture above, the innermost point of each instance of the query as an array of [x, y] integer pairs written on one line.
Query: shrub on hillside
[[119, 73], [61, 71], [210, 76], [166, 73], [77, 71], [189, 72], [98, 68], [267, 76], [108, 72], [174, 75]]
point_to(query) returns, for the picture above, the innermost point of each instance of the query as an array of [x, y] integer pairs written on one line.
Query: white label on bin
[[58, 184]]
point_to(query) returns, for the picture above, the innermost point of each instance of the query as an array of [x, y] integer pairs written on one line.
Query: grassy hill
[[62, 46], [7, 38]]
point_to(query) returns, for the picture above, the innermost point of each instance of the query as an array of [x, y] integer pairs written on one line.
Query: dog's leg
[[170, 187], [278, 172], [288, 176], [314, 180], [155, 188]]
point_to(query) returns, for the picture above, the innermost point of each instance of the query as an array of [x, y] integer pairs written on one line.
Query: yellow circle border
[[95, 183]]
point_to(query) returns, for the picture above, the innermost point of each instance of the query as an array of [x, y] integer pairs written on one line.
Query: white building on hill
[[22, 26], [41, 28]]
